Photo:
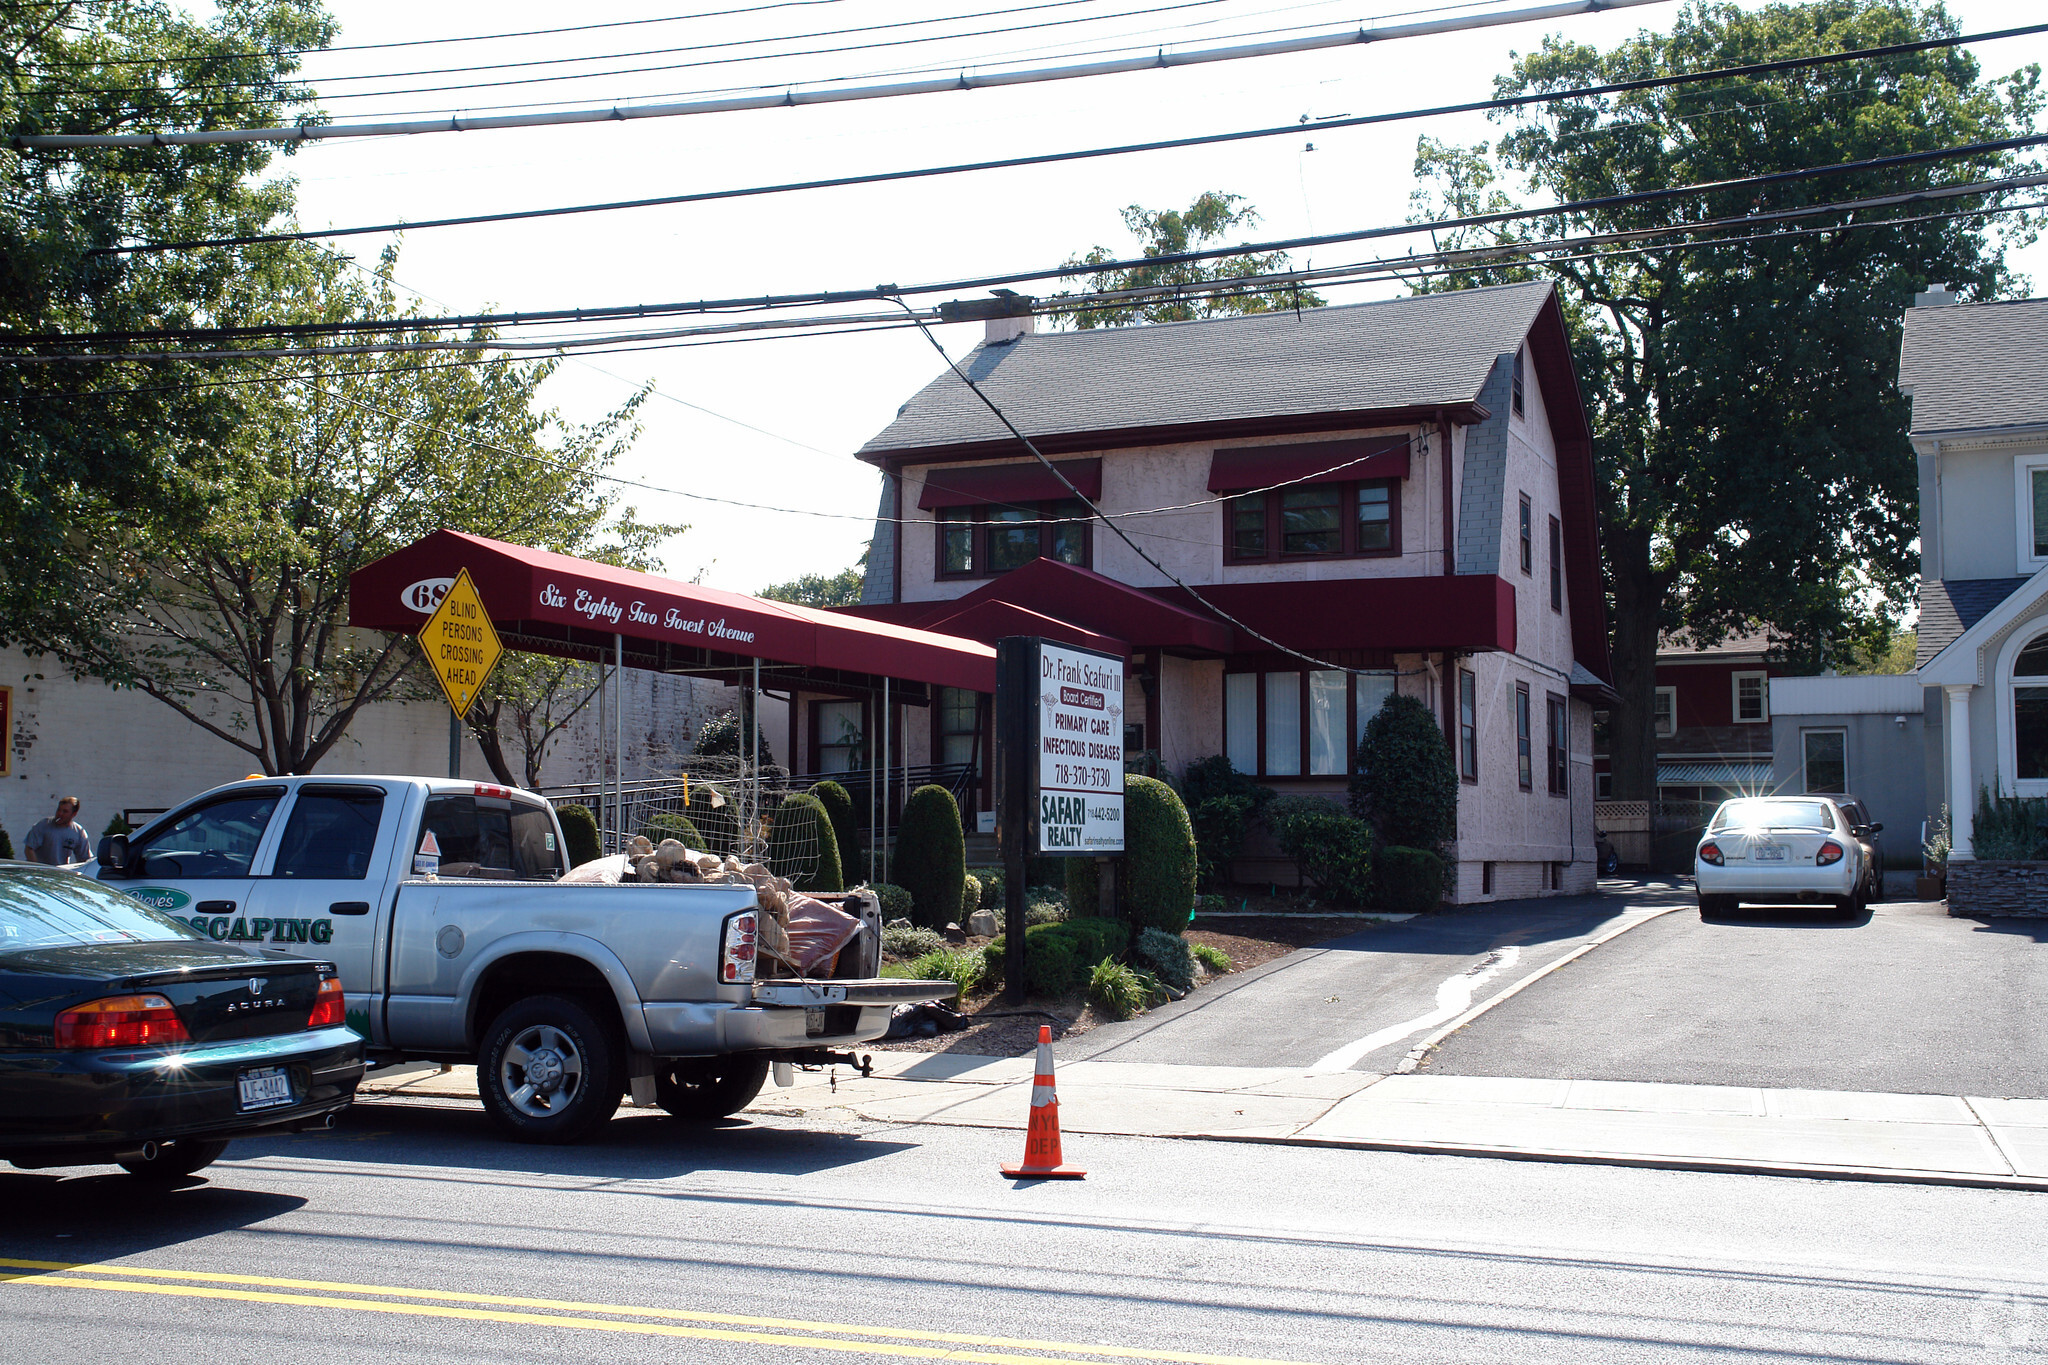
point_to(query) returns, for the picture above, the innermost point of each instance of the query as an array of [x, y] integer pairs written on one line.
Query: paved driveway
[[1907, 1001]]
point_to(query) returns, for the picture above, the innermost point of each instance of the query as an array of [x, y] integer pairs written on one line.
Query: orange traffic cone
[[1042, 1137]]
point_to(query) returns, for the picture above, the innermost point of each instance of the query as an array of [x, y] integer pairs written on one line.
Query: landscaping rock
[[955, 934], [984, 924]]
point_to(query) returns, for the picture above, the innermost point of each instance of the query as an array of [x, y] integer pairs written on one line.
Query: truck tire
[[175, 1160], [550, 1070], [709, 1087]]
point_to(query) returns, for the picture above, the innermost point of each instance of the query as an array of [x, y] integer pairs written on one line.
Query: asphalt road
[[1371, 995], [1906, 1001], [775, 1241]]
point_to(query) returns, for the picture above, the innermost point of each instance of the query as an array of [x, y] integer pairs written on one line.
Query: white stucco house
[[1977, 375]]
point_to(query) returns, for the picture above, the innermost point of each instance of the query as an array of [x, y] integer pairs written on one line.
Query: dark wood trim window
[[1468, 726], [1557, 744], [1300, 723], [994, 538], [1556, 565], [1528, 538], [1314, 521], [1520, 380], [956, 728], [839, 731], [1524, 742]]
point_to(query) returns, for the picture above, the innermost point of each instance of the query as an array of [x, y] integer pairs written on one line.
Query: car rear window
[[51, 910], [1774, 815]]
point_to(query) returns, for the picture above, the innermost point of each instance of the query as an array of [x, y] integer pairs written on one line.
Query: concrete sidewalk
[[1928, 1139]]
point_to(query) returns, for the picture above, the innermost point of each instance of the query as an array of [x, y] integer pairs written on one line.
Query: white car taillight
[[736, 953]]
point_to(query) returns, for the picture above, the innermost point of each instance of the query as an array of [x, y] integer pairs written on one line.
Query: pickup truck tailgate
[[879, 990]]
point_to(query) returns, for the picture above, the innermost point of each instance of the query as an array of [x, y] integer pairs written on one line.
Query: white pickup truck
[[565, 996]]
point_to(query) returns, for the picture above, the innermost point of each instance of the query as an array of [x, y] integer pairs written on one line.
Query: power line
[[792, 97], [891, 292], [1123, 149]]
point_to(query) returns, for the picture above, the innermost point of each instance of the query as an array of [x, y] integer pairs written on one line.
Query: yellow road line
[[199, 1285]]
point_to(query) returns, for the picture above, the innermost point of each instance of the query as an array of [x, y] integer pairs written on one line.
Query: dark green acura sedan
[[127, 1037]]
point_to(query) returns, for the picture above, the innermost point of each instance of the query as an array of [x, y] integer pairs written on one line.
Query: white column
[[1962, 788]]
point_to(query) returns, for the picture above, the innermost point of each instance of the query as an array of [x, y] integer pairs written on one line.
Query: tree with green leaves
[[841, 589], [524, 706], [1164, 234], [1749, 443]]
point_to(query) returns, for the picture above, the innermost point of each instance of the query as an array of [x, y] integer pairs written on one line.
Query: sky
[[776, 423]]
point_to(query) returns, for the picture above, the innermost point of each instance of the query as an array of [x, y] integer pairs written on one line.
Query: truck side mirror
[[114, 854]]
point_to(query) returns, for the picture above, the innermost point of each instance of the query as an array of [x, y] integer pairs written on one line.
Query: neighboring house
[[1862, 736], [1401, 490], [1713, 719], [1978, 377]]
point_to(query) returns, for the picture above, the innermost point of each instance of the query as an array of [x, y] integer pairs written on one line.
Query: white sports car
[[1779, 850]]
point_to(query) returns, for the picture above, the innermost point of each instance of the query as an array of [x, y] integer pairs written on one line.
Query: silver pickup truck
[[565, 996]]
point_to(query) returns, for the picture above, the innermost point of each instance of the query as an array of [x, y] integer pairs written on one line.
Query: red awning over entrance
[[555, 604]]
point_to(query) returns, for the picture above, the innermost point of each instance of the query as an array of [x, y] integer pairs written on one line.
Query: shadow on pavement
[[1788, 916], [64, 1216], [1464, 929]]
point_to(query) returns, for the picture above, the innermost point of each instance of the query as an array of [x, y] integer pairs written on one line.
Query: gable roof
[[1950, 606], [1421, 352], [1961, 661], [1970, 366]]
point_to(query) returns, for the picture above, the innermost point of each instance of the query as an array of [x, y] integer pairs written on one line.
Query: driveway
[[1906, 1001], [1360, 1002]]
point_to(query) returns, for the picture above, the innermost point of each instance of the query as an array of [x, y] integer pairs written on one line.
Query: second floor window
[[980, 542], [1557, 743], [1752, 700], [1556, 565], [1528, 538], [1319, 521], [1468, 727]]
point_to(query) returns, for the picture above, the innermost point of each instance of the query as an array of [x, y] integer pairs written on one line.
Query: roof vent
[[1937, 296]]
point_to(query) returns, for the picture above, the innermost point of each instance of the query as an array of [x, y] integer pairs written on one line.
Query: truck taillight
[[736, 954], [331, 1007], [121, 1021]]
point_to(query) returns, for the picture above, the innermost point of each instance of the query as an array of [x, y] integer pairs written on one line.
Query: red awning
[[972, 485], [1372, 457], [1410, 612], [553, 603]]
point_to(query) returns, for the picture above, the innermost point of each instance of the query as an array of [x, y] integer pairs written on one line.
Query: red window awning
[[1371, 457], [973, 485]]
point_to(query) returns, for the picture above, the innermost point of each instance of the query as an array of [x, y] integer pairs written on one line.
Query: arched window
[[2030, 711]]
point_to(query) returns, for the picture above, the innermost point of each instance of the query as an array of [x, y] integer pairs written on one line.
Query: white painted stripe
[[1453, 998]]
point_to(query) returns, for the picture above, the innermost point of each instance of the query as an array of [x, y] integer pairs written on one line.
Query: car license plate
[[1770, 853], [266, 1088]]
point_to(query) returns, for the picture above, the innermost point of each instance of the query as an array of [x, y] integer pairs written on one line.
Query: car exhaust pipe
[[149, 1151]]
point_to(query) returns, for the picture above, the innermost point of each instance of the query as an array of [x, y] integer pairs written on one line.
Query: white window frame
[[1805, 778], [1662, 731], [2023, 468], [1735, 681], [2003, 687]]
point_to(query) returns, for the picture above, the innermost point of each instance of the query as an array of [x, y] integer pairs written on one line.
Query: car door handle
[[349, 908], [215, 907]]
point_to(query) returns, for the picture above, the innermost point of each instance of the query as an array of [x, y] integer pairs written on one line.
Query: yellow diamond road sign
[[461, 644]]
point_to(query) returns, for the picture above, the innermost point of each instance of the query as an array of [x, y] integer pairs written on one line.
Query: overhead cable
[[792, 98], [1123, 149]]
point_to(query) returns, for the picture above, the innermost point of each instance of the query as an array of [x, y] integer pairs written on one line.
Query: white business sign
[[1080, 751]]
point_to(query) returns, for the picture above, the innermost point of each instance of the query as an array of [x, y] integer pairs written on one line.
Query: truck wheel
[[175, 1160], [550, 1072], [709, 1087]]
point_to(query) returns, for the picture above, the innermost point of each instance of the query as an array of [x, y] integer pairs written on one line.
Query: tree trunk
[[1632, 725], [483, 724]]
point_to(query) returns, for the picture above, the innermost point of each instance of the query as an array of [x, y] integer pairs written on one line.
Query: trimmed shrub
[[1116, 990], [1407, 785], [718, 825], [1222, 803], [117, 825], [931, 856], [1167, 957], [1084, 884], [991, 880], [970, 895], [2009, 826], [579, 833], [964, 970], [838, 803], [800, 837], [1212, 957], [724, 736], [895, 900], [672, 824], [907, 945], [1332, 849], [1410, 880], [1056, 956], [1159, 857]]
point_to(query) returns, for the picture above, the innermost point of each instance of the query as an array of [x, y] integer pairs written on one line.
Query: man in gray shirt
[[58, 839]]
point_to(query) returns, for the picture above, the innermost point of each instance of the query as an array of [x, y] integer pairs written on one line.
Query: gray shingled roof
[[1431, 350], [1972, 365], [1950, 606]]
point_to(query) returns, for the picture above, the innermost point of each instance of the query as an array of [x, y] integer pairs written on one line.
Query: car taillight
[[736, 954], [121, 1021], [331, 1007], [1830, 852], [1711, 853]]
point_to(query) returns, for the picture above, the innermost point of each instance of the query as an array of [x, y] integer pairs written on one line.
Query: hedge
[[931, 856], [1159, 857], [1410, 880], [800, 837], [1222, 803], [838, 803], [1083, 885], [673, 824], [1059, 957], [579, 832], [893, 899]]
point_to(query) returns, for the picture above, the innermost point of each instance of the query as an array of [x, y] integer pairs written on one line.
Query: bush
[[1167, 957], [800, 838], [1410, 880], [991, 880], [2009, 826], [1046, 907], [1212, 957], [964, 970], [895, 900], [838, 803], [1116, 990], [6, 845], [1056, 956], [907, 945], [1159, 857], [723, 736], [1084, 885], [118, 825], [1407, 784], [672, 824], [579, 833], [970, 895], [1221, 802], [1332, 849], [931, 856]]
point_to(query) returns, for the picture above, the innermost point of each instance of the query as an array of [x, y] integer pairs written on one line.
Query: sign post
[[461, 644], [1059, 766]]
